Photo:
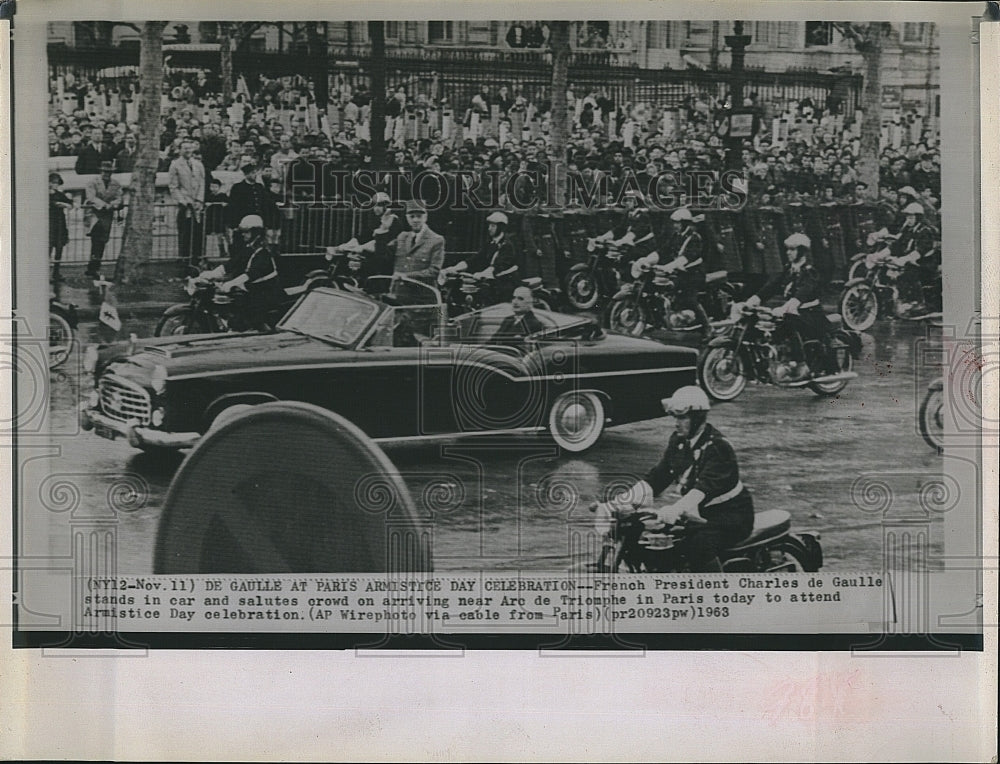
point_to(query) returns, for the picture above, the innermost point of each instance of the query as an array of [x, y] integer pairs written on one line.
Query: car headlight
[[90, 359], [157, 417], [93, 399], [159, 379]]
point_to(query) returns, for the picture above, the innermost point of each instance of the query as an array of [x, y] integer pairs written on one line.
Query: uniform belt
[[268, 277], [731, 494], [810, 304]]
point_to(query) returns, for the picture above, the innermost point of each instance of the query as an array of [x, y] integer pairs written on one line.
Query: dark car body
[[398, 372]]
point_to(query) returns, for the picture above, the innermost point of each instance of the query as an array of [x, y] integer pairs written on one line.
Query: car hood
[[208, 353]]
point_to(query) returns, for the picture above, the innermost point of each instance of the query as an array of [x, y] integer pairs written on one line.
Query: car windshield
[[330, 315]]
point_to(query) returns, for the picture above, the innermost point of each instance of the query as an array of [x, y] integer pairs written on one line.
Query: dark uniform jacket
[[708, 465], [247, 199], [799, 282], [500, 254]]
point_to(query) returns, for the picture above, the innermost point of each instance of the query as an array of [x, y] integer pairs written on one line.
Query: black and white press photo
[[579, 310]]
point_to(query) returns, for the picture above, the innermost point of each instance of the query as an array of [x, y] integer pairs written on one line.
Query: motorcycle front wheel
[[859, 307], [720, 370], [61, 339], [628, 316], [582, 290], [858, 270], [931, 419]]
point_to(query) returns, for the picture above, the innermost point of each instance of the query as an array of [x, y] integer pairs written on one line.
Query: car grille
[[124, 400]]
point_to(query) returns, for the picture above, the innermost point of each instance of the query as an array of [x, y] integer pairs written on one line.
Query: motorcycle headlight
[[190, 287], [90, 359], [159, 379]]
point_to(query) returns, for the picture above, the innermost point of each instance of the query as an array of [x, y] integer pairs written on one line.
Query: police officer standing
[[714, 503]]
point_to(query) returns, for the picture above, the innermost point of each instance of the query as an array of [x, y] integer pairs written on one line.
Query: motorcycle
[[210, 311], [587, 284], [878, 241], [748, 351], [62, 331], [930, 417], [464, 292], [639, 542], [877, 294], [648, 302]]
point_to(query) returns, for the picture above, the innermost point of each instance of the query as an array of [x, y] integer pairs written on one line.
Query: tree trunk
[[376, 33], [871, 100], [226, 63], [318, 53], [559, 116], [137, 242]]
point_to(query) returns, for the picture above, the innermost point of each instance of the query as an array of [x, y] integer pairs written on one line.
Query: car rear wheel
[[576, 421]]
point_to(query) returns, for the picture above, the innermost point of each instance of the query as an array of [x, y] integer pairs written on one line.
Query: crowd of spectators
[[814, 157]]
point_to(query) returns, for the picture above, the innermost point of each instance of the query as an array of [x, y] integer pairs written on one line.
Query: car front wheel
[[576, 421]]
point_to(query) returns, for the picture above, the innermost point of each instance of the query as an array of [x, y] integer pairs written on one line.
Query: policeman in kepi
[[803, 315], [252, 268], [714, 503], [496, 261]]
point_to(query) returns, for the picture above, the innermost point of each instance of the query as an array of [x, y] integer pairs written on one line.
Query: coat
[[187, 181], [100, 199], [419, 255]]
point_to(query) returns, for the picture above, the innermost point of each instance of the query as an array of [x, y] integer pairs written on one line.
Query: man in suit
[[522, 322], [419, 252], [104, 197], [93, 154], [187, 187]]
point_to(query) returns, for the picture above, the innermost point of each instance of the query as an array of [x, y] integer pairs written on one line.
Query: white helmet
[[381, 198], [497, 217], [798, 240], [913, 208], [682, 215], [686, 400], [251, 221]]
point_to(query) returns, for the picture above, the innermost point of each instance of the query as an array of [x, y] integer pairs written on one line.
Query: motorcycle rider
[[379, 227], [254, 269], [915, 253], [800, 285], [638, 239], [496, 260], [688, 265], [714, 502]]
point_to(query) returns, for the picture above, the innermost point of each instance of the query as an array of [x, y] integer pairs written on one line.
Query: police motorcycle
[[212, 311], [647, 301], [466, 289], [597, 279], [930, 416], [878, 242], [747, 351], [62, 331], [639, 542], [637, 538], [878, 291]]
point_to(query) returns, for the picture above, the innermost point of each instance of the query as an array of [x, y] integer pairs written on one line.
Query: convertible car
[[394, 364]]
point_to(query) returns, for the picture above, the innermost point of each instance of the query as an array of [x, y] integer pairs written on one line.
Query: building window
[[786, 33], [913, 32], [660, 35], [392, 30], [698, 34], [479, 33], [765, 33], [440, 31], [818, 33]]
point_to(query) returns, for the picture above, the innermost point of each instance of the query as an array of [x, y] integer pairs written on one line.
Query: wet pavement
[[514, 503]]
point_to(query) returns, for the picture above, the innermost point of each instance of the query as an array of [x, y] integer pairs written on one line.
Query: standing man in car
[[419, 252]]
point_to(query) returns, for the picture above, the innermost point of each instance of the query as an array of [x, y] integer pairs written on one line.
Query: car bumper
[[137, 435]]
